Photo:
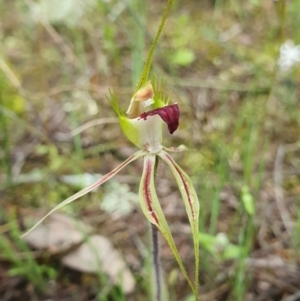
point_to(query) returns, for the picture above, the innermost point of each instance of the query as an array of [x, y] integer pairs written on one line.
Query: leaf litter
[[86, 253]]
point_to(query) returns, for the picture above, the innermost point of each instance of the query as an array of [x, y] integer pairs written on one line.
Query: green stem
[[146, 69]]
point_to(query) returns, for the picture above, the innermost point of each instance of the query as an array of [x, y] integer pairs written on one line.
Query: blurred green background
[[234, 69]]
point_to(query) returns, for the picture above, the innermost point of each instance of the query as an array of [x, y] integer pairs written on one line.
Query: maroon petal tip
[[169, 114]]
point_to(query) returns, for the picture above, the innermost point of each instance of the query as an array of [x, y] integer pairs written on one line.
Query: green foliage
[[219, 246], [183, 57], [248, 201], [21, 259], [54, 159]]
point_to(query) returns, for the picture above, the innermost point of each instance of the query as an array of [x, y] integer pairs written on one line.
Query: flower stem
[[147, 66], [156, 262], [155, 251]]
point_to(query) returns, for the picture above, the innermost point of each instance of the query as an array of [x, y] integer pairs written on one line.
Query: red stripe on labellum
[[169, 114], [147, 191], [185, 185]]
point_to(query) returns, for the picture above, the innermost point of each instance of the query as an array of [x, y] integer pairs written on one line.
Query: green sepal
[[129, 130]]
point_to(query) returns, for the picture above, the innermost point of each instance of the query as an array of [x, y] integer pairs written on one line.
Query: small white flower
[[289, 55]]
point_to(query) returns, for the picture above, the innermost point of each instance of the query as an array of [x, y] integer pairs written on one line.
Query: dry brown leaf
[[98, 255], [57, 234]]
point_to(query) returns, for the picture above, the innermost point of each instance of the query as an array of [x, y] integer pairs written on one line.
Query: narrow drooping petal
[[153, 211], [190, 200], [89, 188], [169, 114]]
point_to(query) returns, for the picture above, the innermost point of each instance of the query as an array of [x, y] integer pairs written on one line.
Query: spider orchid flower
[[142, 125]]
